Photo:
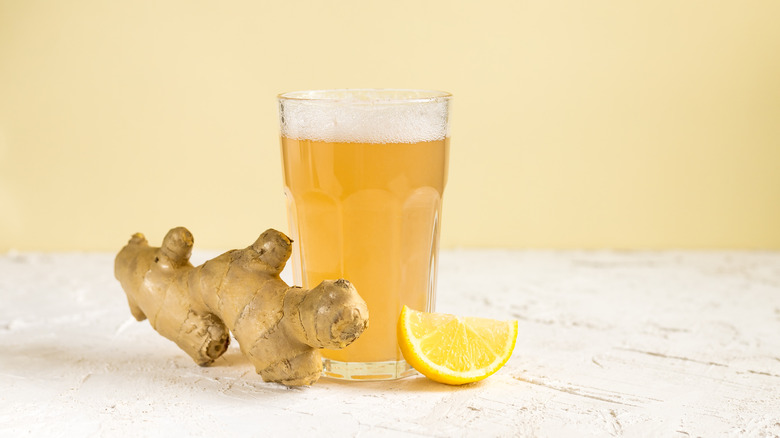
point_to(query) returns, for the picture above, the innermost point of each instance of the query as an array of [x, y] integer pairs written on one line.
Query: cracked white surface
[[610, 343]]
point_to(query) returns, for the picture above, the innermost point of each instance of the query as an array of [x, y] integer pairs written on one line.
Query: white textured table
[[611, 343]]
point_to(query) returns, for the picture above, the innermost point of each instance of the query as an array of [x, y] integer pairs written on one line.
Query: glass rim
[[348, 95]]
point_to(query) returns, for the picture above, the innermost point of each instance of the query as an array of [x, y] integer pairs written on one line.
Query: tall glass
[[364, 174]]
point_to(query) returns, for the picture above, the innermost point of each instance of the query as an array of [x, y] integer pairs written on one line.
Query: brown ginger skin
[[278, 327]]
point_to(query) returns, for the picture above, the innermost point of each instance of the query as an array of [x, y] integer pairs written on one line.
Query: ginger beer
[[364, 203]]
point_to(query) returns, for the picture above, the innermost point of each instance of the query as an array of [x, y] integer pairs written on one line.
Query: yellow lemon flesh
[[453, 349]]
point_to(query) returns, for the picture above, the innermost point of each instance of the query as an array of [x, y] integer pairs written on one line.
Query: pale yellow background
[[598, 124]]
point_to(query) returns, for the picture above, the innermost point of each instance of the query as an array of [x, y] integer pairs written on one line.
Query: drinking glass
[[364, 175]]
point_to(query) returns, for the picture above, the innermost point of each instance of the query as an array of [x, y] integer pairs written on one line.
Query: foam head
[[365, 115]]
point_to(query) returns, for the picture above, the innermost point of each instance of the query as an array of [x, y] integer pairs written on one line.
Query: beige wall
[[613, 124]]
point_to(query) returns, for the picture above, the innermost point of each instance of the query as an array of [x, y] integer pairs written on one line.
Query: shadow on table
[[417, 383], [73, 361]]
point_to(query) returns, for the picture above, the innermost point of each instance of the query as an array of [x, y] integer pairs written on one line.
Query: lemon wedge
[[453, 349]]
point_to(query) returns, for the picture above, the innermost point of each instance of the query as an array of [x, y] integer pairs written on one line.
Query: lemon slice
[[453, 349]]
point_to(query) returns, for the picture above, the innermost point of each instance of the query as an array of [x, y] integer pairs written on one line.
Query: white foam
[[365, 116]]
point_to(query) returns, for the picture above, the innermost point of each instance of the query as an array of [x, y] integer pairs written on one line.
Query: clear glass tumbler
[[364, 174]]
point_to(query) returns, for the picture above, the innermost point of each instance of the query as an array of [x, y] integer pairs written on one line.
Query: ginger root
[[278, 327]]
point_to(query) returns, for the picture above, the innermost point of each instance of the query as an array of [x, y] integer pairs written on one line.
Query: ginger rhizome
[[278, 327]]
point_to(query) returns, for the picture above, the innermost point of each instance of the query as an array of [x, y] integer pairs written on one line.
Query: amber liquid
[[369, 213]]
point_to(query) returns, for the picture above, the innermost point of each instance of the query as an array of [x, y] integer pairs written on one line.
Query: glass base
[[389, 370]]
